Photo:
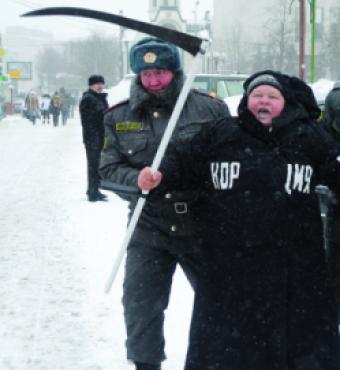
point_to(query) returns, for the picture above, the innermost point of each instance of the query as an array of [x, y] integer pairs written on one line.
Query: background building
[[248, 36], [167, 13]]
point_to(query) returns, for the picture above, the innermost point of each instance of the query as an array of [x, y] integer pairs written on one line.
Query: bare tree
[[278, 31], [50, 63], [76, 60]]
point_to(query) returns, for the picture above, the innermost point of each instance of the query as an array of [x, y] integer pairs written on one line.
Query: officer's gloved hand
[[148, 180]]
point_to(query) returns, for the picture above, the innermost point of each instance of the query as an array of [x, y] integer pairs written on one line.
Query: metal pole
[[313, 39], [121, 49], [155, 165], [302, 65]]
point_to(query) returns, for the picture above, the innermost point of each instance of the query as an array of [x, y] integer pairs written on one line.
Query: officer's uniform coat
[[165, 232]]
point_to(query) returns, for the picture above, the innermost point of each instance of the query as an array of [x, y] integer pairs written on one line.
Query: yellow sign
[[2, 52], [150, 58], [14, 73]]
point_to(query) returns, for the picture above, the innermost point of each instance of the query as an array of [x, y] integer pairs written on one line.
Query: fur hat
[[95, 79], [151, 52]]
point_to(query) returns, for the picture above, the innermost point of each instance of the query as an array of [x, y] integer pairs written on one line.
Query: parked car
[[220, 85], [227, 87]]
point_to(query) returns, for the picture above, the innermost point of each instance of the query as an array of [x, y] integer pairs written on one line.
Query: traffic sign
[[14, 73]]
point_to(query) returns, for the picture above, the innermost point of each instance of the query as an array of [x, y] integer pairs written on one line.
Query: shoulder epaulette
[[117, 105], [203, 93]]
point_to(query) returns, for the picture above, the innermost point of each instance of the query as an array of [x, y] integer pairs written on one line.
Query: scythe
[[192, 44]]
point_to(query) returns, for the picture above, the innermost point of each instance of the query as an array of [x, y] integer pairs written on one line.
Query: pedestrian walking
[[32, 106], [65, 105], [45, 108], [55, 108]]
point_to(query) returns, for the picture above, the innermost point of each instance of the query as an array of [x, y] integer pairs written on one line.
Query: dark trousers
[[93, 158], [333, 248], [46, 116], [64, 116], [32, 116], [55, 118], [147, 285]]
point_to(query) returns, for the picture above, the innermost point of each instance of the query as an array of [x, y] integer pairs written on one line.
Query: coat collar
[[290, 116], [94, 93], [140, 99]]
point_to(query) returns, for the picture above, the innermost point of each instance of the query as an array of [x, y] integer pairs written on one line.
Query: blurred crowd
[[56, 108]]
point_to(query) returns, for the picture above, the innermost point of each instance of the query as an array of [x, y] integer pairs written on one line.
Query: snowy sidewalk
[[56, 252]]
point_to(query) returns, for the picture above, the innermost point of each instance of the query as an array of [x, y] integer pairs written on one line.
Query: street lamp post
[[302, 65], [313, 38]]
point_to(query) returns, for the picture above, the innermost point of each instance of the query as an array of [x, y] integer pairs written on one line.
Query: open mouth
[[263, 113]]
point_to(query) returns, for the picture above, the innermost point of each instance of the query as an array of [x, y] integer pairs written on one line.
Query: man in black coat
[[92, 107], [332, 124]]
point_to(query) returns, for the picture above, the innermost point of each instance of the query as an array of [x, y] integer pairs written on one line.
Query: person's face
[[155, 80], [98, 87], [266, 102]]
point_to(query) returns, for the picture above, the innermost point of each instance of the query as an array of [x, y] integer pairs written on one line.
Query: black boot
[[96, 197], [140, 366], [101, 196]]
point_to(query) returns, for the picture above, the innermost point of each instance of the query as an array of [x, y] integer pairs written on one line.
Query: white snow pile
[[233, 103], [321, 88], [119, 92]]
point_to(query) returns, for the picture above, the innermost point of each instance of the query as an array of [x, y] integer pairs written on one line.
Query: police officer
[[92, 106], [332, 124], [164, 235]]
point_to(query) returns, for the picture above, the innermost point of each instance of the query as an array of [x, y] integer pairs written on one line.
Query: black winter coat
[[264, 301], [332, 112], [133, 130], [92, 107]]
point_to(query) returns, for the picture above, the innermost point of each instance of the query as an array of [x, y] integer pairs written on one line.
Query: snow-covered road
[[56, 251]]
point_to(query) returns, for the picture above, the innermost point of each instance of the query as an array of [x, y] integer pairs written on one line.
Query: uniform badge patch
[[150, 58], [128, 126]]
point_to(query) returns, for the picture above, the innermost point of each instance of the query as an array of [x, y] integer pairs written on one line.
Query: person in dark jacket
[[332, 111], [32, 106], [263, 301], [55, 108], [164, 235], [332, 124], [92, 106], [65, 105]]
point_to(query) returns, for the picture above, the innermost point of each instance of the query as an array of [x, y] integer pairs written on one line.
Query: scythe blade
[[189, 43]]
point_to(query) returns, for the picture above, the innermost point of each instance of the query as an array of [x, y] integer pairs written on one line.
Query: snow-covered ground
[[56, 251]]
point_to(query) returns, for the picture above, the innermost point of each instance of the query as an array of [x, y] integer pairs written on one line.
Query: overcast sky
[[65, 28]]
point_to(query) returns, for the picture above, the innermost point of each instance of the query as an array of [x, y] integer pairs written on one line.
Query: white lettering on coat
[[299, 178], [224, 174]]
